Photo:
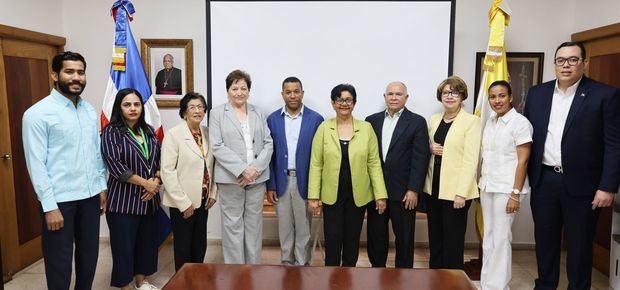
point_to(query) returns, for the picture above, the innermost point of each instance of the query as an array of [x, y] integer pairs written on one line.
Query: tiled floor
[[523, 272]]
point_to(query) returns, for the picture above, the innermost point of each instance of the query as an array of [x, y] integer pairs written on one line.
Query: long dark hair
[[117, 120]]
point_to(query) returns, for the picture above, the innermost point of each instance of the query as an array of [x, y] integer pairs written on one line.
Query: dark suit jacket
[[591, 138], [279, 159], [407, 157]]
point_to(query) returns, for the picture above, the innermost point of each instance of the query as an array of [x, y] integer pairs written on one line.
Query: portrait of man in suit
[[574, 167], [403, 147], [168, 80]]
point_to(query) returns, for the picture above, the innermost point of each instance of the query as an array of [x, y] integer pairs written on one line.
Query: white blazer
[[182, 167]]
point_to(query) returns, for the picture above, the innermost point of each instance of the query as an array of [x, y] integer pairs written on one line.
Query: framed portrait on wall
[[525, 70], [169, 66]]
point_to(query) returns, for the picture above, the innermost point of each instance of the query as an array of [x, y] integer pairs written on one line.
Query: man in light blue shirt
[[292, 130], [61, 147]]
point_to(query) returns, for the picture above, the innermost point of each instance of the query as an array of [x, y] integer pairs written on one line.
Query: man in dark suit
[[574, 165], [404, 150]]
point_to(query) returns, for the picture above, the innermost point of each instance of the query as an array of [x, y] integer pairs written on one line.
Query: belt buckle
[[558, 169], [291, 172]]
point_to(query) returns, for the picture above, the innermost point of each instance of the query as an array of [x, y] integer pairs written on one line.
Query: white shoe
[[146, 286]]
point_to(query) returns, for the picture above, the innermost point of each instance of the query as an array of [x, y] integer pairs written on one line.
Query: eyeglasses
[[340, 101], [194, 108], [572, 61], [453, 94]]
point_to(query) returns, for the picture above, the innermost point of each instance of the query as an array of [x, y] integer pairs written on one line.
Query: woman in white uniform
[[506, 145]]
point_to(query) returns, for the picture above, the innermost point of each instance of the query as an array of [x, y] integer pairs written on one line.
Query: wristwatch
[[516, 191]]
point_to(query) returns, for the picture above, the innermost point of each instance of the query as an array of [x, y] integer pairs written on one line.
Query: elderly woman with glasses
[[451, 176], [345, 175], [187, 173]]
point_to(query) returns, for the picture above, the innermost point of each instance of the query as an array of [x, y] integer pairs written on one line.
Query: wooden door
[[25, 66], [603, 53]]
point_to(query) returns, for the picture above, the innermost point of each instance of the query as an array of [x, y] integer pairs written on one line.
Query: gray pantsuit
[[294, 222], [242, 222], [242, 217]]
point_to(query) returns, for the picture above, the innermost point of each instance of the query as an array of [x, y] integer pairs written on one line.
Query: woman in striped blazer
[[132, 155]]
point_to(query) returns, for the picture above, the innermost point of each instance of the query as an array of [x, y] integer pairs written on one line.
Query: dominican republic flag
[[126, 71]]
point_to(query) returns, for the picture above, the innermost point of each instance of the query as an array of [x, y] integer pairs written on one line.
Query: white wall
[[38, 15], [597, 13], [89, 29]]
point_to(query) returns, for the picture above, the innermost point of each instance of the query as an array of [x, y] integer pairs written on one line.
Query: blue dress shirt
[[61, 146], [292, 126]]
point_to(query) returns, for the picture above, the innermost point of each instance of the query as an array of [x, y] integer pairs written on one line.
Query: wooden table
[[276, 277]]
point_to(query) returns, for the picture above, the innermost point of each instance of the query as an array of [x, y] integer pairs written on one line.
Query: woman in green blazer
[[345, 175]]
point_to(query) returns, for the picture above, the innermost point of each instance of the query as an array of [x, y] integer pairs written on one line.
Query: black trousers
[[403, 226], [446, 233], [552, 210], [342, 225], [190, 236], [134, 243], [81, 225]]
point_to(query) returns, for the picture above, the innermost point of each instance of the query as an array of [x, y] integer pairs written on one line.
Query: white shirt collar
[[570, 91], [396, 115], [285, 112], [506, 117]]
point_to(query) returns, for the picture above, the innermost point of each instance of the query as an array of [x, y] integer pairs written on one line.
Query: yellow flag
[[494, 68]]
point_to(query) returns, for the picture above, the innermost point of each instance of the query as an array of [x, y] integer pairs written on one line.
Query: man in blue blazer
[[292, 130], [574, 167], [404, 150]]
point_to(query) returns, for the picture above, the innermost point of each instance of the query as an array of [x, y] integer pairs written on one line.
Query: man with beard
[[61, 147], [292, 130], [168, 80]]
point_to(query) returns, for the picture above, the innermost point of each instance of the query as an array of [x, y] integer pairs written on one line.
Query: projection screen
[[324, 43]]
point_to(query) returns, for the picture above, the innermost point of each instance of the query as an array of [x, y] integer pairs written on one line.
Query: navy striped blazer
[[123, 158]]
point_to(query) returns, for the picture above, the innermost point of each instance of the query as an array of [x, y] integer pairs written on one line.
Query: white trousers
[[294, 226], [496, 243], [242, 222]]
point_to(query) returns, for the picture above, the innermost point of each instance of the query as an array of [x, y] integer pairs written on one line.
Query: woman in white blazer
[[242, 147], [187, 175]]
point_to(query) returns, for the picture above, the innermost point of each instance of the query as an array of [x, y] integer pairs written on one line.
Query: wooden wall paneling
[[32, 54], [9, 32], [7, 198], [603, 53], [25, 85]]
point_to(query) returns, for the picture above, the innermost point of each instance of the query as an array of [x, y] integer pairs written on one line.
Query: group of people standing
[[386, 167]]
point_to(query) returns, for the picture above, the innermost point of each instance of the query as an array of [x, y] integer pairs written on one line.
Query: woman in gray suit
[[242, 147]]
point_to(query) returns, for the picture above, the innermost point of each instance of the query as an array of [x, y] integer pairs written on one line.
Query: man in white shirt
[[574, 168]]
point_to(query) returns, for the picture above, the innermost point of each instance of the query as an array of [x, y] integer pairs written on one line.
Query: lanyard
[[144, 147]]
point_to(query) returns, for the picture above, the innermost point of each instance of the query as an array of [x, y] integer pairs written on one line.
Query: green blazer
[[366, 172]]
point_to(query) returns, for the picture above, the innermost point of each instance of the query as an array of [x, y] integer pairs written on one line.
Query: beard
[[65, 88]]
